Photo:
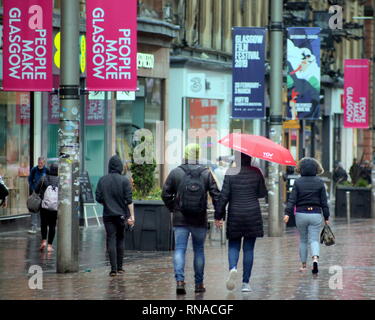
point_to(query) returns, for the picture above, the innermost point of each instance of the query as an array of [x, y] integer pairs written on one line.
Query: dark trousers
[[115, 229], [48, 224]]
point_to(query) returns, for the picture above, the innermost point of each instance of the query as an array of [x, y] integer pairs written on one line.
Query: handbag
[[326, 236], [34, 201]]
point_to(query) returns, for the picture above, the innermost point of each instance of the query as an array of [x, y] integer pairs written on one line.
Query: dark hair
[[245, 159]]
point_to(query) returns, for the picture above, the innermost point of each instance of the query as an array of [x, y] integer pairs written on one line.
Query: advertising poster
[[356, 87], [248, 73], [303, 78]]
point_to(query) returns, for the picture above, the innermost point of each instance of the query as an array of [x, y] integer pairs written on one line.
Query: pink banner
[[27, 50], [111, 28], [356, 83]]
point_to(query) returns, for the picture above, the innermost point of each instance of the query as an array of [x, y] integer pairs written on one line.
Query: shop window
[[140, 112], [202, 114], [15, 149]]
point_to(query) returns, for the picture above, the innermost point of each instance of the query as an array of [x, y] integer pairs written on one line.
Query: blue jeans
[[308, 225], [248, 256], [181, 235], [35, 220]]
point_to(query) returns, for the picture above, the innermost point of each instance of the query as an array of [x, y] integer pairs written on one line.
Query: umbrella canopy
[[258, 147]]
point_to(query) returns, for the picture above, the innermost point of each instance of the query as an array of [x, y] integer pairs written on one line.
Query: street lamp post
[[68, 220], [276, 83]]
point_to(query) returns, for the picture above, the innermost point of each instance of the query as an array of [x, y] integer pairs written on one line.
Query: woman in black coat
[[48, 218], [242, 188]]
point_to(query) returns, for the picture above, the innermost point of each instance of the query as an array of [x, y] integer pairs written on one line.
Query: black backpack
[[192, 193]]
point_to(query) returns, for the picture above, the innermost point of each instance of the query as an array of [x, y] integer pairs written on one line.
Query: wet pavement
[[149, 275]]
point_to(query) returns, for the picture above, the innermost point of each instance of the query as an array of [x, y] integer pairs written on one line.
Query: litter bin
[[153, 228]]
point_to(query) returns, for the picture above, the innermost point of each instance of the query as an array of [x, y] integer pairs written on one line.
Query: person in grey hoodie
[[114, 192]]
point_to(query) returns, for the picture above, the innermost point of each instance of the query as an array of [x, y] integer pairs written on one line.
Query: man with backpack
[[47, 188], [36, 174], [185, 195]]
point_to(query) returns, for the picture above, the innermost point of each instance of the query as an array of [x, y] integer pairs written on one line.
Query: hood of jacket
[[115, 165], [54, 169], [309, 167]]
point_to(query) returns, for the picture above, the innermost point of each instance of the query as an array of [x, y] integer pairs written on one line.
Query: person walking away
[[309, 197], [244, 220], [47, 187], [185, 195], [354, 171], [114, 192], [36, 174]]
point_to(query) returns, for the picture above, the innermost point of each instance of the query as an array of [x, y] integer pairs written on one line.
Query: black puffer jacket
[[170, 191], [114, 191], [51, 179], [242, 191], [309, 190]]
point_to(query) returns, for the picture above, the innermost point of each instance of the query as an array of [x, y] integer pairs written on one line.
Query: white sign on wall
[[196, 85]]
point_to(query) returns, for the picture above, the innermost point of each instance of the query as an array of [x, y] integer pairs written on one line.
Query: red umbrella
[[258, 147]]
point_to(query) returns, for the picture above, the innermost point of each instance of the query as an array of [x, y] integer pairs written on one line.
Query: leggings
[[48, 224]]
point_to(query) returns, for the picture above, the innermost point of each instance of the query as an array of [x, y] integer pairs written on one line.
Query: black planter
[[153, 228], [360, 202]]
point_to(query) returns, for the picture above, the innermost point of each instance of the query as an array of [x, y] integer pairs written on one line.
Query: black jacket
[[114, 191], [242, 190], [170, 191], [51, 179], [309, 190]]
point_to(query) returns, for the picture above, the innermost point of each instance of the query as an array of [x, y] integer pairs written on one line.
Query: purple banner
[[248, 73]]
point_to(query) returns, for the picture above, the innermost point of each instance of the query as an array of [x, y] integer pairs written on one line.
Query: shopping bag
[[326, 236]]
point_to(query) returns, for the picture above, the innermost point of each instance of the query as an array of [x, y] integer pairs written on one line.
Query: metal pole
[[348, 206], [68, 220], [373, 117], [276, 76]]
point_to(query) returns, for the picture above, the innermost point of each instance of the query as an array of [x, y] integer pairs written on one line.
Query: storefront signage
[[111, 45], [82, 53], [53, 109], [146, 61], [27, 51], [291, 124], [356, 83], [303, 79], [23, 108], [94, 114], [248, 73]]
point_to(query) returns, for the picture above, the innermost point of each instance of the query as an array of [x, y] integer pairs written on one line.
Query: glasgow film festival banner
[[27, 48], [356, 83], [303, 78], [111, 27], [248, 73]]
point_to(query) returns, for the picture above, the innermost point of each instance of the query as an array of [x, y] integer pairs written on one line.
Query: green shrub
[[143, 174], [362, 183]]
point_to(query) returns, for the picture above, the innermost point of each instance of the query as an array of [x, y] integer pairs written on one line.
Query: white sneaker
[[32, 231], [246, 287], [231, 282]]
